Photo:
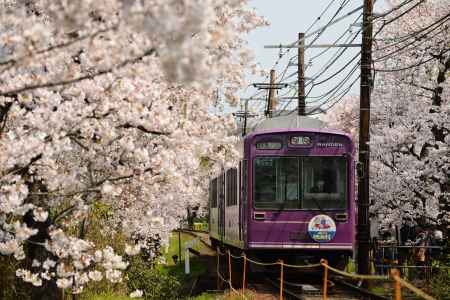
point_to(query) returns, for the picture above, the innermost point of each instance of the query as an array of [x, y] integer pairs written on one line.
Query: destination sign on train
[[300, 140], [268, 145]]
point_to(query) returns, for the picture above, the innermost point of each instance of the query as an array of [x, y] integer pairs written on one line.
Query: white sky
[[287, 18]]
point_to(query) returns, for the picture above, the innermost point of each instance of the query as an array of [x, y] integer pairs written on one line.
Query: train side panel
[[213, 210], [231, 207]]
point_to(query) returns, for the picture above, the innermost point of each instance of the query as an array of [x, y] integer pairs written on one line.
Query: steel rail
[[285, 290], [363, 291]]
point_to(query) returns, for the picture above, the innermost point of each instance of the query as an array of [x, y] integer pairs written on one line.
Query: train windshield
[[300, 183]]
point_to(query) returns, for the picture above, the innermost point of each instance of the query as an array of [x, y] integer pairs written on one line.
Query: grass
[[206, 296], [174, 247], [222, 296], [104, 296], [197, 265]]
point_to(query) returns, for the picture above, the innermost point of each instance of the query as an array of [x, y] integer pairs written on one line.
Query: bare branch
[[4, 110], [13, 61], [19, 169], [74, 139], [142, 128]]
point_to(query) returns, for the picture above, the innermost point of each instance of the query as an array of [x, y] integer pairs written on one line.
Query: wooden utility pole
[[363, 227], [244, 131], [301, 74], [243, 115], [271, 98]]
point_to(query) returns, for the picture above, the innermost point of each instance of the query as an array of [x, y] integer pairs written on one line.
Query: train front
[[301, 193]]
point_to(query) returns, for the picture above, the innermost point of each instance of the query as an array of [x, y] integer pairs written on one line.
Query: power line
[[393, 9], [422, 62], [339, 85], [400, 50], [318, 32], [336, 41], [309, 28], [343, 4], [343, 94], [415, 33], [397, 17], [337, 72], [320, 16]]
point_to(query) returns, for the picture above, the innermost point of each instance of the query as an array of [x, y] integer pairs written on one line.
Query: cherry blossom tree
[[410, 124], [108, 101]]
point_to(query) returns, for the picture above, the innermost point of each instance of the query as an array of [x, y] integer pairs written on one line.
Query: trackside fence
[[394, 276]]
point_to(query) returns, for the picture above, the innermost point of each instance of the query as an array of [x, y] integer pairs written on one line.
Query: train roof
[[290, 123], [287, 122]]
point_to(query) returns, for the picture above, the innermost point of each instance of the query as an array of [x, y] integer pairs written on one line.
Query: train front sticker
[[322, 228]]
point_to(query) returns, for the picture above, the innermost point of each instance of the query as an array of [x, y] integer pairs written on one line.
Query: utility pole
[[244, 115], [271, 86], [301, 74], [244, 131], [271, 98], [363, 225]]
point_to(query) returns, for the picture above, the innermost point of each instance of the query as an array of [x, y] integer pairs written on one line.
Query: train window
[[214, 192], [277, 182], [324, 182], [232, 187], [300, 183]]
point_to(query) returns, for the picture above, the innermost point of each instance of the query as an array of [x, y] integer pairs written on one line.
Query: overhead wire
[[334, 43], [318, 32], [333, 59], [406, 47], [422, 62], [338, 85], [385, 23], [338, 71], [334, 91], [414, 34], [335, 56], [307, 30], [341, 7], [343, 94], [348, 88], [287, 103], [393, 9]]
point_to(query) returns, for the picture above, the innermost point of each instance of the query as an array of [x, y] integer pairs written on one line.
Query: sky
[[289, 17]]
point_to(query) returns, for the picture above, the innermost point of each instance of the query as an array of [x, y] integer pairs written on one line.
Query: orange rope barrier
[[220, 277], [262, 264], [244, 274], [398, 288], [217, 267], [324, 262], [395, 275], [281, 279], [229, 266]]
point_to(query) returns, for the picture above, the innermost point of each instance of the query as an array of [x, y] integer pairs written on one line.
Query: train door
[[221, 205], [242, 199]]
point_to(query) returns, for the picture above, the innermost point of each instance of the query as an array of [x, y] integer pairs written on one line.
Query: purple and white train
[[292, 195]]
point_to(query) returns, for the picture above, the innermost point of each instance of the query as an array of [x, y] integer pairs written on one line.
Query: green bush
[[440, 284], [154, 283]]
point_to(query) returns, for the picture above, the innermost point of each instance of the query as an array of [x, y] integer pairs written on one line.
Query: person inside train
[[324, 182]]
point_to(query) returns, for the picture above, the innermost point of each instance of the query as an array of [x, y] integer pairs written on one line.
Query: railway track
[[338, 289], [297, 285]]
